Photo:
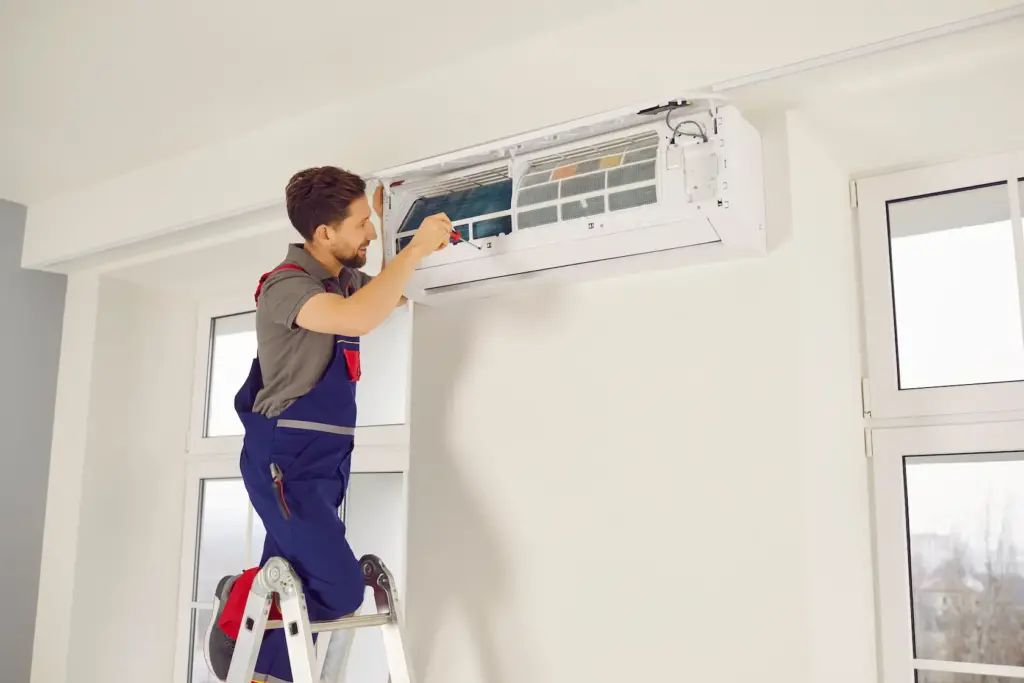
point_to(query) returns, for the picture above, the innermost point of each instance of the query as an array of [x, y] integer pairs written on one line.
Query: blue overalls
[[296, 468]]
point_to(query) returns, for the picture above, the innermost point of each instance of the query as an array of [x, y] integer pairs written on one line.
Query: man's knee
[[339, 594]]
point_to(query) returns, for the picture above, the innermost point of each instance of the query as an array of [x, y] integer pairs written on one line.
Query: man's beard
[[356, 260]]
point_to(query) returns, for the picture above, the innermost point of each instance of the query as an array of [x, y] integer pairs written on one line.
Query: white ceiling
[[933, 101], [92, 88]]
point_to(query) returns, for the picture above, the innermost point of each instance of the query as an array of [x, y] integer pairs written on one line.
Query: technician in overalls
[[298, 405]]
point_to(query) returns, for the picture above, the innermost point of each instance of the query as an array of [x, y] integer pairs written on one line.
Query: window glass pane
[[383, 388], [374, 514], [231, 356], [259, 534], [222, 534], [966, 531], [955, 289], [198, 671]]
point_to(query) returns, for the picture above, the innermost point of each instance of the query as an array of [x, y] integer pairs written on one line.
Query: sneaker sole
[[220, 596]]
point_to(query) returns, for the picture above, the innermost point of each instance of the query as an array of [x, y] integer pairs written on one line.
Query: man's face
[[347, 241]]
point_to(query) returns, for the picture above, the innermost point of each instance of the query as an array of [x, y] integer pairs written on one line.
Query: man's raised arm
[[370, 306]]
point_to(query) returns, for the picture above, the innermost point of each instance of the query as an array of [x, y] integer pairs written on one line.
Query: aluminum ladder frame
[[277, 578]]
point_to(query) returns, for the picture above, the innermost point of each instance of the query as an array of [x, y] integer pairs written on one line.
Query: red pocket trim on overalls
[[355, 370]]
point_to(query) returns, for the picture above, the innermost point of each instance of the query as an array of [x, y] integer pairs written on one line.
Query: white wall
[[631, 479], [32, 311], [124, 609], [834, 483], [64, 489]]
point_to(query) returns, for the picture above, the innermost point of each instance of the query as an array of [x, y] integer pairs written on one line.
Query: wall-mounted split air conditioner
[[676, 183]]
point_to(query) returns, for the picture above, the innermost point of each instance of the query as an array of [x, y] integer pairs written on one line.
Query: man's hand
[[433, 235], [362, 312], [378, 203]]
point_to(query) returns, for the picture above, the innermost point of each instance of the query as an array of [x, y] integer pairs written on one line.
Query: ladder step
[[358, 621]]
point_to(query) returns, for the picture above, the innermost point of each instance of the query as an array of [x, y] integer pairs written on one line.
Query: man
[[298, 404]]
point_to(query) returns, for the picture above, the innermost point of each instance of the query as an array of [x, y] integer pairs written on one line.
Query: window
[[230, 538], [956, 299], [950, 535], [226, 347], [221, 535], [226, 537], [943, 266], [232, 349], [942, 250]]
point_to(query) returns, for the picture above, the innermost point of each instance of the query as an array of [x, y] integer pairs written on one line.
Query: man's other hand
[[378, 203]]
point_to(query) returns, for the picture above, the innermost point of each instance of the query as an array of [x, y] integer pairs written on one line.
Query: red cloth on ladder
[[234, 609]]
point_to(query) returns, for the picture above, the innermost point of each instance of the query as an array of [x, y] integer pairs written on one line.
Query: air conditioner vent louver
[[627, 175], [584, 207], [537, 195], [535, 179], [607, 149], [583, 184], [629, 199], [467, 182], [640, 155], [536, 217]]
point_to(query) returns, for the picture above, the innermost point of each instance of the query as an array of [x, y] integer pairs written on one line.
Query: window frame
[[887, 400], [892, 560]]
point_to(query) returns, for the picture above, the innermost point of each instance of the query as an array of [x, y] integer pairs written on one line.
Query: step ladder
[[277, 578]]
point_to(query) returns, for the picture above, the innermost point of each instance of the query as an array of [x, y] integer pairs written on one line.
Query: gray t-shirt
[[293, 359]]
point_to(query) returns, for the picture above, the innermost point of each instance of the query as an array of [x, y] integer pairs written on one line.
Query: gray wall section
[[31, 317]]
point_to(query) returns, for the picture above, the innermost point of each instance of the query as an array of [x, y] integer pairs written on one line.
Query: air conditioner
[[669, 184]]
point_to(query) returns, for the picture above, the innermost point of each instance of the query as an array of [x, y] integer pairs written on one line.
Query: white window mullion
[[249, 554], [894, 604], [1018, 238], [971, 669]]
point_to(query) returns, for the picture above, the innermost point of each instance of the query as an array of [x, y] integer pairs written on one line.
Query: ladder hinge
[[853, 194], [869, 449], [865, 397]]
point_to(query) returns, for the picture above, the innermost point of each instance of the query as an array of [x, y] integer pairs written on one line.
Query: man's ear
[[322, 232]]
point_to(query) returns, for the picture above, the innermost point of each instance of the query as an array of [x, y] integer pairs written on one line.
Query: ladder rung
[[358, 621]]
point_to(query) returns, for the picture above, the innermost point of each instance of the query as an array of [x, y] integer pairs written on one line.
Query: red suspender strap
[[263, 278]]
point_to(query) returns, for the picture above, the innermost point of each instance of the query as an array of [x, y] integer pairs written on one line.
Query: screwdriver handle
[[456, 237]]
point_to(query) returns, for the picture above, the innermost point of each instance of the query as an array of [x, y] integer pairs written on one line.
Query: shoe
[[217, 646]]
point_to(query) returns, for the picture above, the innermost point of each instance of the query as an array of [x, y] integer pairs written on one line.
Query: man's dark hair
[[321, 196]]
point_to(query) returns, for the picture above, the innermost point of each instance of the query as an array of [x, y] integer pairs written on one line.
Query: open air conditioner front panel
[[636, 187]]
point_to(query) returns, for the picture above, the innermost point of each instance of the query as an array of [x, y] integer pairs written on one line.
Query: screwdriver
[[456, 238]]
